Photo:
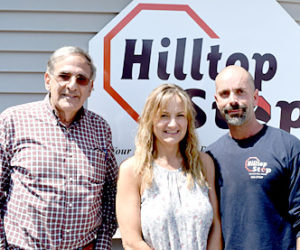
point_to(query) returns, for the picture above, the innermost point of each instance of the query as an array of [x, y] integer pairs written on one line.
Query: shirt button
[[70, 205]]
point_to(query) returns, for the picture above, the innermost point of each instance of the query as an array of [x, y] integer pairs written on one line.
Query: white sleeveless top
[[173, 216]]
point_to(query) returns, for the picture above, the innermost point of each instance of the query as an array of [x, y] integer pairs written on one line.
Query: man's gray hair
[[67, 51]]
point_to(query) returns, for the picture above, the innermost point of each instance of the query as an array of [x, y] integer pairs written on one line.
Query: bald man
[[258, 171]]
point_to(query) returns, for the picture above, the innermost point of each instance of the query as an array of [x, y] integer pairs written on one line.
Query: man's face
[[235, 97], [69, 84]]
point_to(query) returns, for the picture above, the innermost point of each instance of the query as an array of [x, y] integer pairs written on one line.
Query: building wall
[[31, 30], [292, 7]]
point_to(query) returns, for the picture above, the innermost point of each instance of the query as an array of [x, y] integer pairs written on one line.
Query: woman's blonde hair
[[145, 139]]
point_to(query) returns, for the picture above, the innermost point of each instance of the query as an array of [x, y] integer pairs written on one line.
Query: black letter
[[178, 70], [260, 61], [162, 60], [238, 57], [196, 60], [219, 120], [143, 59], [214, 56], [200, 115], [286, 122]]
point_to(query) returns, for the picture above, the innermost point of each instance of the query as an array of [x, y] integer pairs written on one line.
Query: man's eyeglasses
[[64, 78]]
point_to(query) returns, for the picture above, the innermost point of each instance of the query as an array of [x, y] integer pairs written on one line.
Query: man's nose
[[233, 98], [72, 84]]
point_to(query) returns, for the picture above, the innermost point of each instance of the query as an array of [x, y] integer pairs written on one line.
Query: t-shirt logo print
[[256, 168]]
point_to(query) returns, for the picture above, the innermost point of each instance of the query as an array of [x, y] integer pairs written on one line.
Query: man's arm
[[109, 221], [5, 133], [2, 195], [294, 196]]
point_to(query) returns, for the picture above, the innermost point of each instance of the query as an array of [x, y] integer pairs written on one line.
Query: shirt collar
[[79, 115]]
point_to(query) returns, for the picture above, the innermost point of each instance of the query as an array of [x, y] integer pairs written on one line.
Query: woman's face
[[170, 126]]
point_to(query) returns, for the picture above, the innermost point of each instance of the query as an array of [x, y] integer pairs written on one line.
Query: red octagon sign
[[107, 44]]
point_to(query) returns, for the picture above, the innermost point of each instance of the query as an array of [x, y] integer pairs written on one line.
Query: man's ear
[[91, 87], [255, 97], [47, 81], [216, 99]]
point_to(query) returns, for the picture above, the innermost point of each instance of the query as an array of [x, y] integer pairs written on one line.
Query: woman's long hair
[[145, 139]]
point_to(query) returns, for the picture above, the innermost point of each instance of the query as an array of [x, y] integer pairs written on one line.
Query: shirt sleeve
[[294, 197], [5, 149], [109, 221]]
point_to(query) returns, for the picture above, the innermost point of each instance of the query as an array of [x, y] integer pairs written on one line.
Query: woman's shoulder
[[127, 162], [208, 164], [128, 165], [127, 172], [205, 158]]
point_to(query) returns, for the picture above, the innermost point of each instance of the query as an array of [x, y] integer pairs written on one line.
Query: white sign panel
[[188, 43]]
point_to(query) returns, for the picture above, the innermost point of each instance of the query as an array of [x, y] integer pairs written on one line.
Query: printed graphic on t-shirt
[[257, 169]]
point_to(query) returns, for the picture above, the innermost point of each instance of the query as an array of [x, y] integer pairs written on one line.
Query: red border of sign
[[121, 25]]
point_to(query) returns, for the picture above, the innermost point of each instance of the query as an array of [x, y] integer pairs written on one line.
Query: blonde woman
[[165, 195]]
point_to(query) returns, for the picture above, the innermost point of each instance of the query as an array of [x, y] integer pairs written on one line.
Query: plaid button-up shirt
[[58, 184]]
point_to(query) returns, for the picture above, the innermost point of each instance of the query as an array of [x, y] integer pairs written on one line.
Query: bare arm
[[128, 207], [215, 234], [298, 243]]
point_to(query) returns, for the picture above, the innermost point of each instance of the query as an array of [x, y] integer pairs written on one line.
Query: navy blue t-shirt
[[258, 180]]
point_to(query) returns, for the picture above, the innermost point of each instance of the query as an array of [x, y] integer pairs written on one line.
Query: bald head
[[235, 73], [236, 96]]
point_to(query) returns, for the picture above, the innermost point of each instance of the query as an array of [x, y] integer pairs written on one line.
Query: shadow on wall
[[117, 244]]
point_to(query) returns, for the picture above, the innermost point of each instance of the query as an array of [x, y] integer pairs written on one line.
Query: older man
[[259, 171], [57, 167]]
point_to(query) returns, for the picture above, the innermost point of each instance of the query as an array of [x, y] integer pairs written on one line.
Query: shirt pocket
[[93, 168]]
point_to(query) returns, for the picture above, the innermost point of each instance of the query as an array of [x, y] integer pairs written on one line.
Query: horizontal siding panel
[[23, 62], [8, 99], [113, 6], [288, 1], [53, 22], [45, 42], [293, 9], [22, 83]]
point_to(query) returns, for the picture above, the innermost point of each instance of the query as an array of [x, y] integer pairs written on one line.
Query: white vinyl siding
[[31, 30], [292, 7]]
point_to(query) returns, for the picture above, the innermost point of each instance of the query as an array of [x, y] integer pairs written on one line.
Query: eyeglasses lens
[[66, 78]]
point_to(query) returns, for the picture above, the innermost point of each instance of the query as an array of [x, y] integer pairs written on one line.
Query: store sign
[[188, 43]]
